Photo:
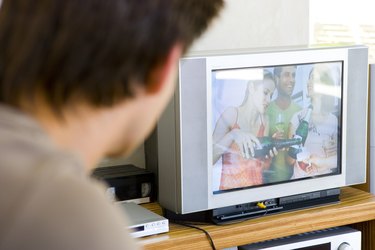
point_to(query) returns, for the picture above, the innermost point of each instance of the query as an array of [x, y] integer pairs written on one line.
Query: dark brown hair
[[277, 70], [90, 48]]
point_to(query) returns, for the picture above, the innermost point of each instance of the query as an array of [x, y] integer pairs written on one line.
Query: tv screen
[[275, 124]]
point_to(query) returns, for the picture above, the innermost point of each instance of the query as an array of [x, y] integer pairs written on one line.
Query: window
[[343, 22]]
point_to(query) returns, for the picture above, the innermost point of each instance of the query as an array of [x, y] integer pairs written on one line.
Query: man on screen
[[279, 112]]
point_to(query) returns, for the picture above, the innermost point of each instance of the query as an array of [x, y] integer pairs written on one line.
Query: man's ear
[[159, 75]]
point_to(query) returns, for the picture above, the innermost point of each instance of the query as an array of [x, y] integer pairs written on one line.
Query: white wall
[[258, 23], [248, 24]]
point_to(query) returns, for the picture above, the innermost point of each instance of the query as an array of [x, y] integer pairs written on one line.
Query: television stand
[[237, 213], [356, 209]]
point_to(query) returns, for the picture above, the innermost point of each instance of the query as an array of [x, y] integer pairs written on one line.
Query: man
[[280, 112], [81, 80]]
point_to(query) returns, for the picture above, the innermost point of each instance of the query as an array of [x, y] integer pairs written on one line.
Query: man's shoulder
[[272, 107], [295, 105], [68, 206], [47, 199]]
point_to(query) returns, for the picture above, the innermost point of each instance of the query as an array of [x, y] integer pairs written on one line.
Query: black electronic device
[[260, 208], [128, 182]]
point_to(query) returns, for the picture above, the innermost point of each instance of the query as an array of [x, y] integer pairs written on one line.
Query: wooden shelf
[[357, 208]]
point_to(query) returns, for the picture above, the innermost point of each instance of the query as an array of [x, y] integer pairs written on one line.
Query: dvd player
[[143, 222]]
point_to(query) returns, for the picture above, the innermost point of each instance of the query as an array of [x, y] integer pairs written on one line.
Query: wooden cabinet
[[357, 209]]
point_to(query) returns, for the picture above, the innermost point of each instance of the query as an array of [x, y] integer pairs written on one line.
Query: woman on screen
[[235, 136], [319, 154]]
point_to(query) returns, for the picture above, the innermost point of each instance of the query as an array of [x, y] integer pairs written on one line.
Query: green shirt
[[279, 169]]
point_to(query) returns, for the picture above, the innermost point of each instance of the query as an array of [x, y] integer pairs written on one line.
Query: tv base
[[250, 210]]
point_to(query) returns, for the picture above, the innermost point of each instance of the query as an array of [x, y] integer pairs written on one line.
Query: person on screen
[[81, 80], [280, 111], [319, 154], [236, 135]]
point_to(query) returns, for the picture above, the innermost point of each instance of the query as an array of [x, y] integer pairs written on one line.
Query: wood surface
[[356, 208]]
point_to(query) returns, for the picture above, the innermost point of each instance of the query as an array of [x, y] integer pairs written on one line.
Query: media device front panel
[[356, 103], [192, 97]]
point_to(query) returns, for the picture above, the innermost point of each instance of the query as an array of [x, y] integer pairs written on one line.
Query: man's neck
[[86, 131], [283, 102]]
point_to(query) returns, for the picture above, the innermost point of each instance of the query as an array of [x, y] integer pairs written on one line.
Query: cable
[[201, 229], [260, 205]]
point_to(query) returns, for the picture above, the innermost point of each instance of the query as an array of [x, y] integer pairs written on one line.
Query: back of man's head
[[90, 49]]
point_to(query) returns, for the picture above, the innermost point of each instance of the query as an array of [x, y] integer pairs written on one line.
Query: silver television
[[227, 103]]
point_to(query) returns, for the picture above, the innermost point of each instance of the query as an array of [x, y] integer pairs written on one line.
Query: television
[[231, 143]]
